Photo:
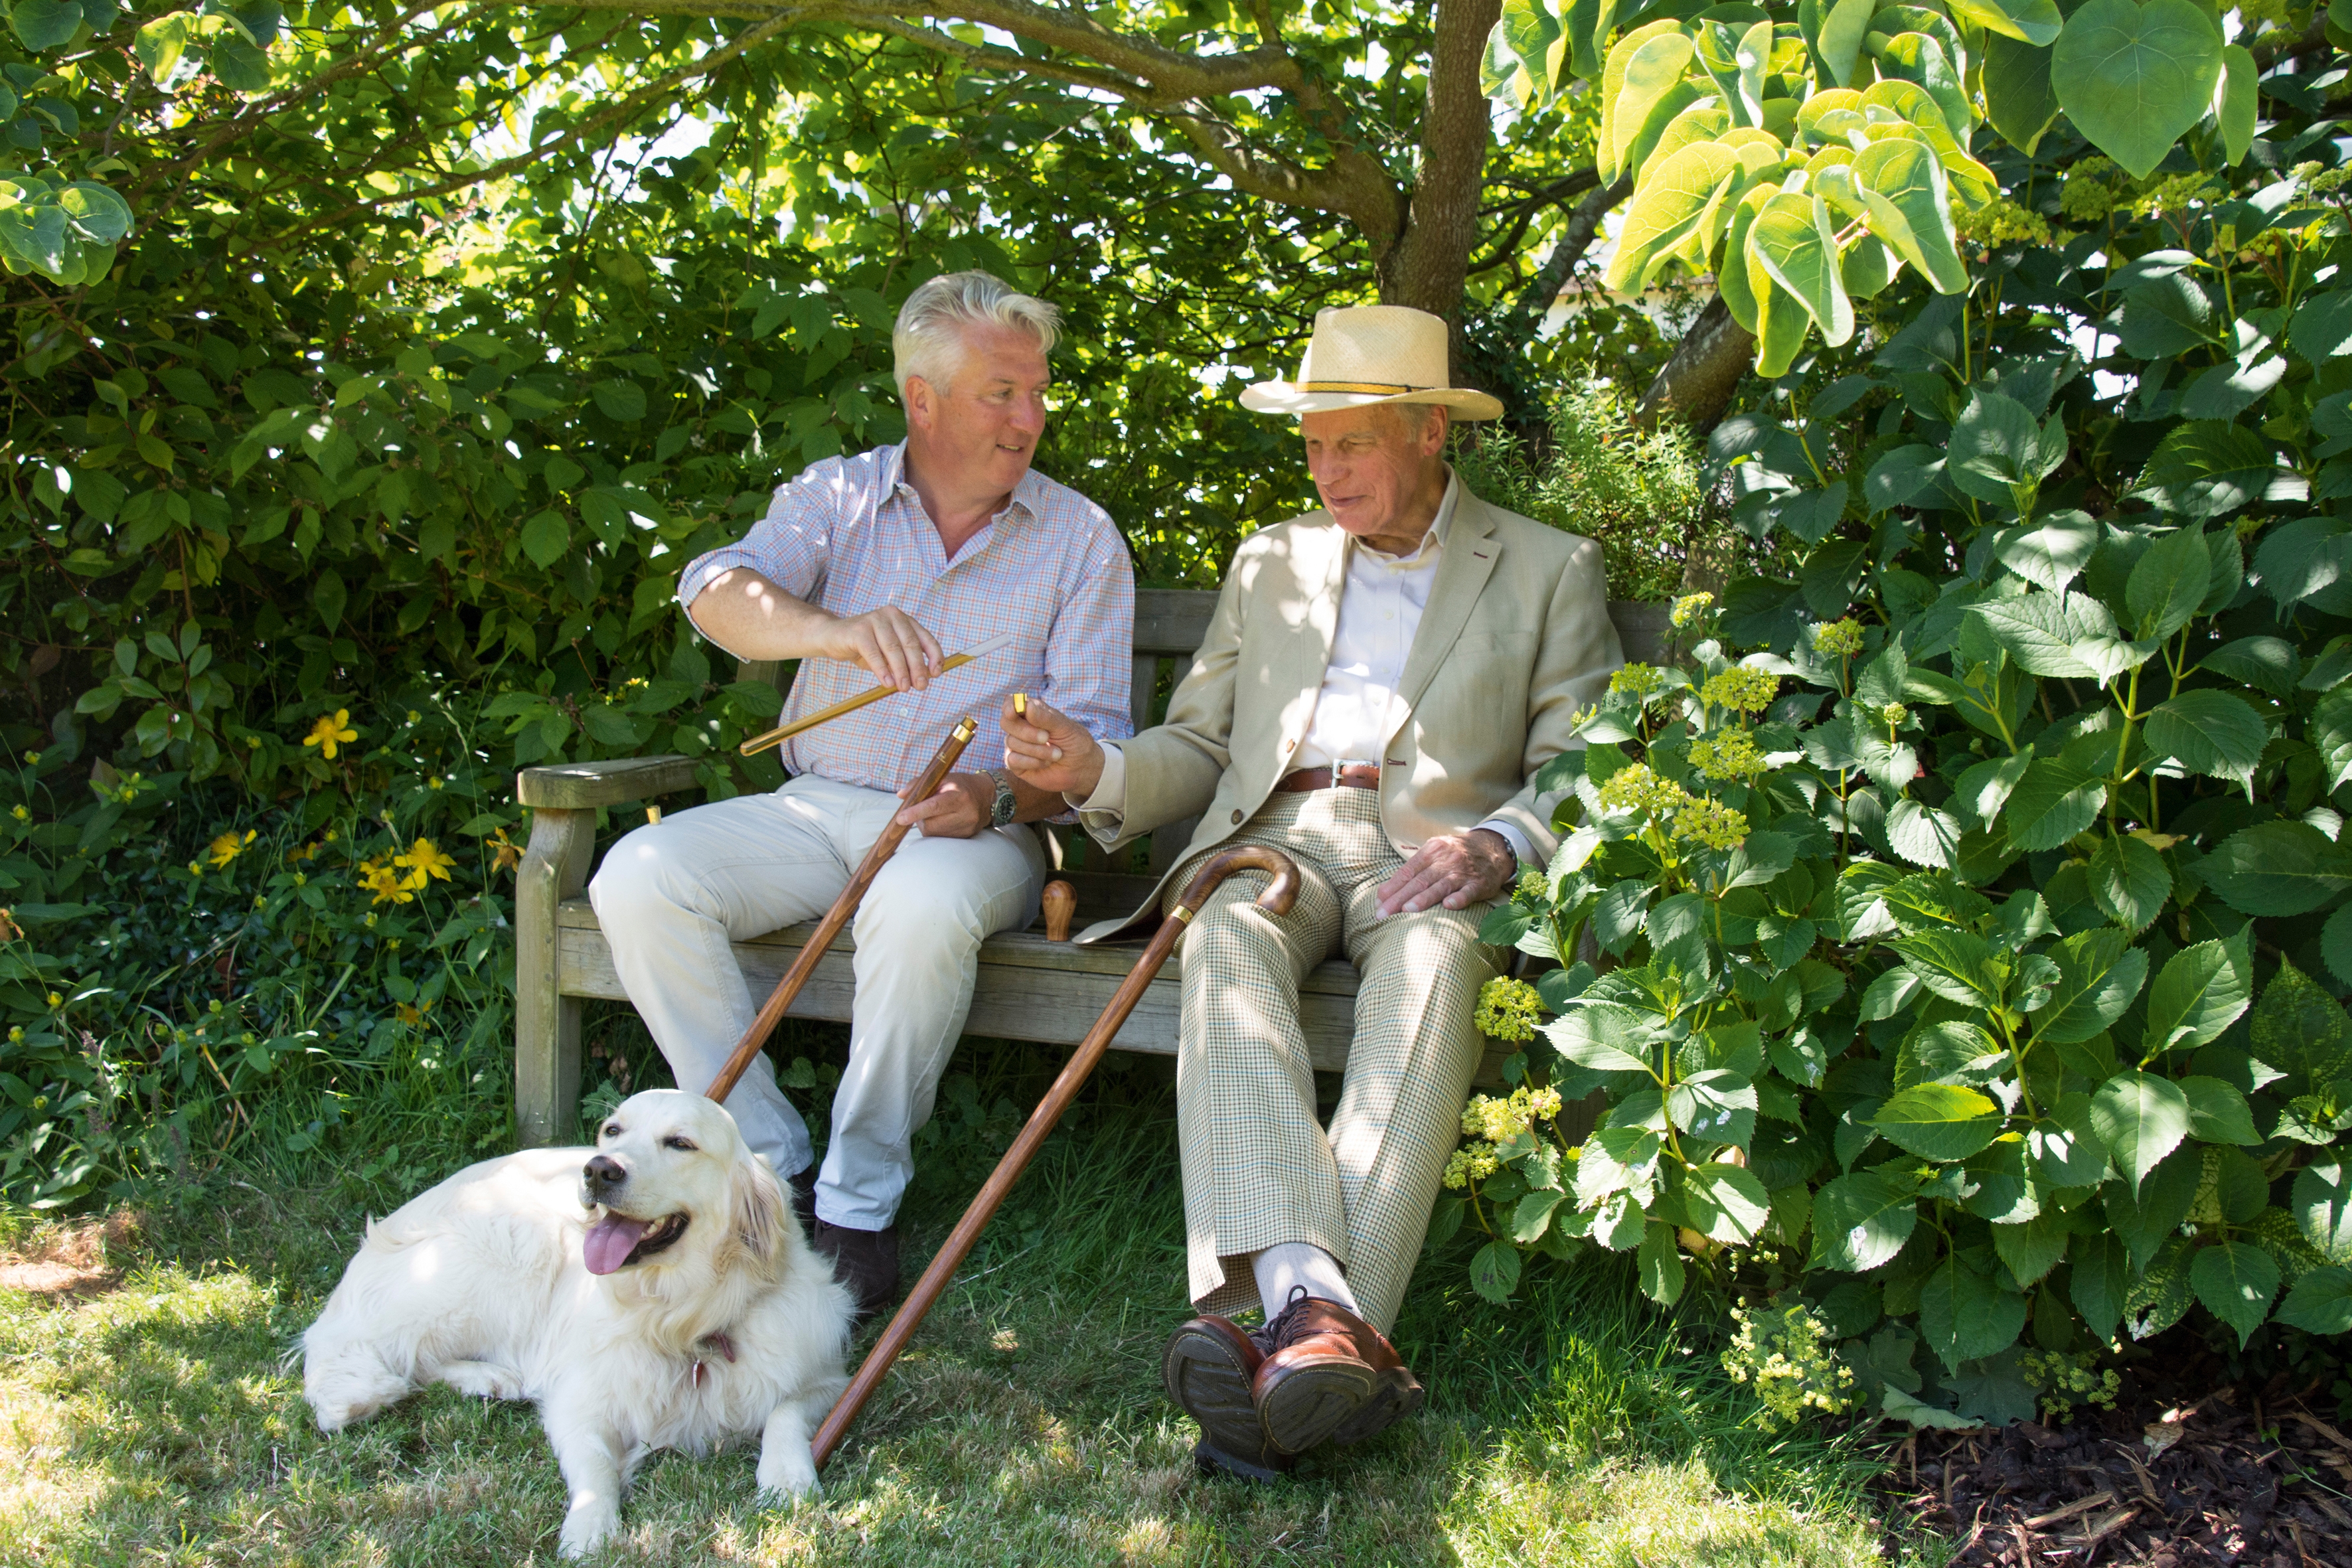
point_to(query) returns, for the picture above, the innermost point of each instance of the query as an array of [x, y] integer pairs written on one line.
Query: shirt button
[[1237, 819]]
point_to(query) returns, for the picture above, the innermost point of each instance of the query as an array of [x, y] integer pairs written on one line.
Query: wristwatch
[[1001, 814]]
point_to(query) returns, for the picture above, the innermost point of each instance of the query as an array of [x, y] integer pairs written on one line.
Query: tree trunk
[[1428, 264], [1698, 383]]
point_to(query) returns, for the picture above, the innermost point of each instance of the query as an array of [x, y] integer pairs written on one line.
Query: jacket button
[[1237, 819]]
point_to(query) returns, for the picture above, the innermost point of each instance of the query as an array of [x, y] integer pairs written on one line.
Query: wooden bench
[[1028, 988]]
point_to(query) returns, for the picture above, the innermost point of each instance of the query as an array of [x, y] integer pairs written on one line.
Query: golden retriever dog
[[652, 1292]]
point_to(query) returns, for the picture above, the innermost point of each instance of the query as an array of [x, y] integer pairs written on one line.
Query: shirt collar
[[1026, 495], [1432, 543]]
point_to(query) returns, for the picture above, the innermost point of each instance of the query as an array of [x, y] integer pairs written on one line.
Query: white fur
[[481, 1283]]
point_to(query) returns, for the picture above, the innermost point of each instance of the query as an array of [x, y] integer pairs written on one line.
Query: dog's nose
[[604, 1174]]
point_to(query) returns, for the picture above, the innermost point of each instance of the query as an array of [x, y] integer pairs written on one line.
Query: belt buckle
[[1340, 767]]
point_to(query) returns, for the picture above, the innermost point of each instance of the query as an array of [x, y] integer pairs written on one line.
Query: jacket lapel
[[1320, 561], [1471, 551]]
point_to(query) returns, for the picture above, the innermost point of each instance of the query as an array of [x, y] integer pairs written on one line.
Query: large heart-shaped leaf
[[2134, 77], [2036, 22], [1902, 182], [1678, 198], [1793, 237]]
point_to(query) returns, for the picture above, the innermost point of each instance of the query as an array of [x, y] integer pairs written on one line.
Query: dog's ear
[[757, 1213]]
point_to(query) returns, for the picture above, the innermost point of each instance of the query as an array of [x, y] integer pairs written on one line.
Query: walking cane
[[1276, 899], [756, 1036]]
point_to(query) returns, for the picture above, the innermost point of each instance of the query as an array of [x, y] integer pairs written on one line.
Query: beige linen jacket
[[1514, 639]]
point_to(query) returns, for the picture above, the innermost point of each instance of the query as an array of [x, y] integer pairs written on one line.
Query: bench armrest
[[582, 785]]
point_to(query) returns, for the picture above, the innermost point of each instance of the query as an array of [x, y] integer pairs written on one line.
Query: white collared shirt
[[1356, 709]]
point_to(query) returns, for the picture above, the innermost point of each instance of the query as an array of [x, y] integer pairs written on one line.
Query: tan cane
[[843, 907], [1276, 899]]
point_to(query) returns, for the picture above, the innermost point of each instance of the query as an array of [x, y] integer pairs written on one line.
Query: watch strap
[[1006, 805]]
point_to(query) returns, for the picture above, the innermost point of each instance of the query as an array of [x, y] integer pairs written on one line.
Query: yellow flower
[[1841, 637], [505, 853], [1641, 679], [55, 1000], [1688, 608], [32, 759], [228, 845], [1743, 687], [328, 733], [1730, 754], [1508, 1009], [20, 813], [424, 860], [388, 885], [1634, 787], [1711, 822]]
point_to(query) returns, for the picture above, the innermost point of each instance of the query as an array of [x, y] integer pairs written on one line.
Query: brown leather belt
[[1354, 775]]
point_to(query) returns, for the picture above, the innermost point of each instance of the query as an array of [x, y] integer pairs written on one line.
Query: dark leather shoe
[[864, 1260], [800, 1191], [1207, 1368], [1329, 1377]]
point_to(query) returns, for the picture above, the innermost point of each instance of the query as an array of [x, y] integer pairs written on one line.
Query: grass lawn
[[155, 1420]]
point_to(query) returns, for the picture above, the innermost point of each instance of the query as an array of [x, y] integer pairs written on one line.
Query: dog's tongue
[[610, 1242]]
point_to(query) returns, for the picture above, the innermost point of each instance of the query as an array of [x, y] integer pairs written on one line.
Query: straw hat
[[1371, 353]]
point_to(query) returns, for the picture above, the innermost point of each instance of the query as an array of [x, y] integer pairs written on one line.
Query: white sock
[[1280, 1269]]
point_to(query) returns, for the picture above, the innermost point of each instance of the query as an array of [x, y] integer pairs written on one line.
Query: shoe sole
[[1207, 1382], [1307, 1405], [1397, 1396]]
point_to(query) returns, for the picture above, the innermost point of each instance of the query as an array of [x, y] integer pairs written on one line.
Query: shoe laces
[[1287, 1327]]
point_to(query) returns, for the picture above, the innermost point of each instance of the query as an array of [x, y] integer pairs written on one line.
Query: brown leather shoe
[[1207, 1368], [864, 1260], [1329, 1377]]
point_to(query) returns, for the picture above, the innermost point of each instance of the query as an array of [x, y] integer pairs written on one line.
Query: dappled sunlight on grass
[[162, 1422]]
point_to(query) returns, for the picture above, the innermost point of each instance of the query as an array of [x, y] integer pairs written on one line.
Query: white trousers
[[671, 896]]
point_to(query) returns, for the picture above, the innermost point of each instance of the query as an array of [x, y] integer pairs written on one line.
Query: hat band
[[1384, 388]]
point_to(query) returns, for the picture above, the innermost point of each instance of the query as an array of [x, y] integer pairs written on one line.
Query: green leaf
[[2236, 1280], [1681, 197], [1903, 183], [2276, 868], [1998, 453], [2065, 1147], [2035, 22], [2167, 316], [2129, 881], [2322, 1205], [1494, 1271], [2322, 326], [1653, 92], [2167, 583], [2298, 1027], [1964, 1316], [2239, 105], [97, 214], [1797, 242], [2018, 99], [2268, 663], [329, 597], [2100, 1283], [1717, 1106], [2135, 78], [546, 537], [1659, 1264], [1862, 1220], [1598, 1035], [2033, 1248], [2218, 1113], [2141, 1119], [2147, 1220], [2320, 1302], [1922, 59], [2162, 1295], [2053, 803], [2201, 991], [1725, 1202], [2050, 552], [2042, 631], [1957, 964], [1843, 31], [45, 23], [1939, 1121], [620, 399], [2206, 467], [2099, 972]]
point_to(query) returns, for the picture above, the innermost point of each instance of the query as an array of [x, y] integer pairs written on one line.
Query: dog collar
[[718, 1342]]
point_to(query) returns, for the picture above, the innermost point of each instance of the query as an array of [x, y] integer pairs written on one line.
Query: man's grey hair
[[928, 339]]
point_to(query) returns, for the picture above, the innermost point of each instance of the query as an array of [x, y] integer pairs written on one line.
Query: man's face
[[983, 426], [1372, 464]]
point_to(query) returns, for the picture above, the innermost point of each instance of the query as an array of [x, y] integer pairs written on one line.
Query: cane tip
[[1061, 901]]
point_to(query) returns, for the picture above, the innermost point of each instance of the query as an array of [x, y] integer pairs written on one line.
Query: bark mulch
[[2254, 1478]]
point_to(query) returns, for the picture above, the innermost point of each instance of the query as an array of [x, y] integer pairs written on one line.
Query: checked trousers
[[1260, 1169]]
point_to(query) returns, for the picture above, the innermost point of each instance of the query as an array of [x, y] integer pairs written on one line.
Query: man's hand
[[1457, 870], [962, 807], [1051, 750], [888, 643]]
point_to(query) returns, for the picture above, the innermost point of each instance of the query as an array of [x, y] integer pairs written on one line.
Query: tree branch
[[1576, 237]]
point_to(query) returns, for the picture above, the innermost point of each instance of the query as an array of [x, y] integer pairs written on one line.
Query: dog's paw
[[789, 1481], [584, 1529]]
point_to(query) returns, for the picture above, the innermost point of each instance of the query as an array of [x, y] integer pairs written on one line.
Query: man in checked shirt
[[873, 568]]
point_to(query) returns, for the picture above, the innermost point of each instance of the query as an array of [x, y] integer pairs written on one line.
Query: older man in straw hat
[[1381, 681]]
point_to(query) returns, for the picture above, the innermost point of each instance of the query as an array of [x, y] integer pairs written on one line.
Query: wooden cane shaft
[[1277, 898], [813, 950], [782, 732]]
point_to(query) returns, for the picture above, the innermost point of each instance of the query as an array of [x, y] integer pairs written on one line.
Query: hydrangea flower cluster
[[1508, 1009], [1742, 687], [1726, 756], [1533, 886], [1495, 1119], [1842, 637], [1688, 608], [1634, 787], [1471, 1163], [1893, 714], [1711, 822], [1784, 1354], [1641, 680]]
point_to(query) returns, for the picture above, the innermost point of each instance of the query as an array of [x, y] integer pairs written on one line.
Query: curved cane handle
[[1278, 896]]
